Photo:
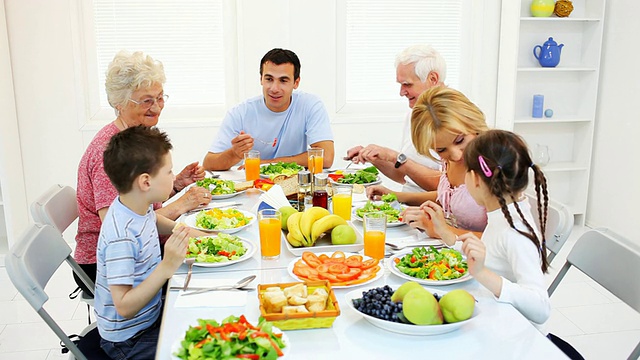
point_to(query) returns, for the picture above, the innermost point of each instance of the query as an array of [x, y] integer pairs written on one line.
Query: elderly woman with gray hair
[[134, 85]]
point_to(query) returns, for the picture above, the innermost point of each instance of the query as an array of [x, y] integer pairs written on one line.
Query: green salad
[[281, 168], [217, 186], [364, 176], [392, 213], [219, 219], [433, 264], [234, 338], [215, 249]]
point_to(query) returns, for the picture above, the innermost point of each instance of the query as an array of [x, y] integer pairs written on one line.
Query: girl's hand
[[436, 215], [376, 191], [475, 251], [418, 219]]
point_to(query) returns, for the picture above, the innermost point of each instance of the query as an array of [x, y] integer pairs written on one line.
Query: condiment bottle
[[320, 195], [305, 197]]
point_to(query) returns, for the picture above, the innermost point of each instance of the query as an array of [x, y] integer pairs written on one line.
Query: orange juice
[[315, 164], [342, 205], [374, 244], [270, 237], [252, 168]]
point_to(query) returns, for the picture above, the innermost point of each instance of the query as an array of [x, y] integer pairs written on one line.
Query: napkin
[[218, 298], [275, 197]]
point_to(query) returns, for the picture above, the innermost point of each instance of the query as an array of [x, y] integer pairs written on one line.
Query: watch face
[[402, 158]]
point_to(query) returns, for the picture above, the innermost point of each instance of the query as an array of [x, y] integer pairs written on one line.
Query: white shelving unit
[[570, 90], [4, 240]]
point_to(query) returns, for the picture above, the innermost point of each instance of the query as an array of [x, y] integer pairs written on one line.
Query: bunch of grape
[[377, 303]]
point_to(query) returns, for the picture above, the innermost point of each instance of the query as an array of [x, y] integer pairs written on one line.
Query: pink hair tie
[[485, 168]]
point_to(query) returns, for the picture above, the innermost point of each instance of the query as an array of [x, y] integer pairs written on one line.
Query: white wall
[[51, 116], [614, 194]]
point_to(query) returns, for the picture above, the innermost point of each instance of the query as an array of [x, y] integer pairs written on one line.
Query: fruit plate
[[379, 274], [323, 244], [391, 265], [248, 245], [407, 329], [190, 220], [177, 345]]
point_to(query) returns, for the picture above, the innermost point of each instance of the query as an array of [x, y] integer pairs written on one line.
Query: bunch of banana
[[306, 227]]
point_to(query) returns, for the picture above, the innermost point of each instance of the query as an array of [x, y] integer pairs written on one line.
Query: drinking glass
[[270, 227], [341, 200], [252, 165], [375, 229], [315, 160], [541, 155]]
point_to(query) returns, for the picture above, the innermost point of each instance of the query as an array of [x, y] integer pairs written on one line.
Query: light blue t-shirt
[[128, 252], [305, 122]]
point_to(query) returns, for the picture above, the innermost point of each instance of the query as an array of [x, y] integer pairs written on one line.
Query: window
[[376, 31], [186, 36]]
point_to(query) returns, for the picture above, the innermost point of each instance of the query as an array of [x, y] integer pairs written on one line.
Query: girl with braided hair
[[510, 258]]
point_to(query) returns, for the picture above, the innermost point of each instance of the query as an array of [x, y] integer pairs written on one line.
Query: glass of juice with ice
[[375, 229], [270, 230], [252, 165], [341, 200], [315, 160]]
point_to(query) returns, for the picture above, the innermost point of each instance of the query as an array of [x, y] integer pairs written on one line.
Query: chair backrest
[[610, 260], [56, 207], [559, 224], [31, 263]]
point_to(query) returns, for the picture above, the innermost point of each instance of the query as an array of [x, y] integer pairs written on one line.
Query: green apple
[[399, 294], [457, 305], [285, 212], [421, 308], [343, 235]]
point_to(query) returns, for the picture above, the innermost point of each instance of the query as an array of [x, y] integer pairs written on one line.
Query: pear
[[343, 235], [421, 308], [285, 212], [400, 292], [457, 305]]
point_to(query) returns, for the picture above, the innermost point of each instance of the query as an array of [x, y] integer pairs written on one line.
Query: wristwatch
[[401, 159]]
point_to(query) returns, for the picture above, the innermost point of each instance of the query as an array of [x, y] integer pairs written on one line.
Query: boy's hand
[[475, 251], [175, 249]]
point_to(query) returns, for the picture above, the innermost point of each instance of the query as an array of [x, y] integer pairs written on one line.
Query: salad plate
[[391, 265], [220, 189], [333, 175], [389, 224], [226, 196], [372, 206], [271, 170], [190, 220], [407, 329], [379, 274], [249, 247], [177, 345]]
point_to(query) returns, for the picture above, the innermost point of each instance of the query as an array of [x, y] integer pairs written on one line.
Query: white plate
[[226, 196], [285, 339], [407, 329], [190, 220], [248, 245], [323, 244], [389, 224], [379, 274], [391, 265], [349, 171]]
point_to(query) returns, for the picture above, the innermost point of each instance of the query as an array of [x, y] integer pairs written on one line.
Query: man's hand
[[241, 144], [190, 174]]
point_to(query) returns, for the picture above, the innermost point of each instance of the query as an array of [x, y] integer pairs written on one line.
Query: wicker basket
[[311, 320]]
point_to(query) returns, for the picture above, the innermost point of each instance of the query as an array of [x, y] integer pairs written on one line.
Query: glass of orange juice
[[315, 160], [341, 200], [270, 230], [252, 165], [375, 229]]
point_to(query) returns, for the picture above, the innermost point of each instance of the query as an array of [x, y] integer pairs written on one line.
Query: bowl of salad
[[228, 220], [219, 250], [430, 266], [287, 169], [233, 338], [392, 212]]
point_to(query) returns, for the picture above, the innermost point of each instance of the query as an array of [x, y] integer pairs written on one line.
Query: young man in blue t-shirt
[[130, 271]]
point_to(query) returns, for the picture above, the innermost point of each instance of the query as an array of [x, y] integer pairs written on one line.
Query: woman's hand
[[376, 191], [194, 197], [190, 174], [417, 219], [475, 251]]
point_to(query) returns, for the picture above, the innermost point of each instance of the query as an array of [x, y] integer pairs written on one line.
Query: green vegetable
[[429, 263], [280, 168], [389, 198], [219, 219], [392, 214], [217, 186], [221, 248], [364, 176]]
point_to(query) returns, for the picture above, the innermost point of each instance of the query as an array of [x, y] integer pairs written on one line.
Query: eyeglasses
[[148, 103]]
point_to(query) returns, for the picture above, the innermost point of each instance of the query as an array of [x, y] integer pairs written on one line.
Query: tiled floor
[[598, 324]]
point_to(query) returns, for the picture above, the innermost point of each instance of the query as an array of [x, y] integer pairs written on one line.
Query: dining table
[[496, 331]]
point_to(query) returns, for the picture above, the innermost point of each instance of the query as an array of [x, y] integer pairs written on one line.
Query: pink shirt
[[460, 207]]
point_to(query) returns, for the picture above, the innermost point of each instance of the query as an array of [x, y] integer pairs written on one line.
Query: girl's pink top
[[458, 205]]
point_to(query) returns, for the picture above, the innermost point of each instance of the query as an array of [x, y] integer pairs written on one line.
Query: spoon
[[240, 284], [190, 262]]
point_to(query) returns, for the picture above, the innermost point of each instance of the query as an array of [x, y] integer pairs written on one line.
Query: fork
[[272, 144], [189, 262], [396, 247]]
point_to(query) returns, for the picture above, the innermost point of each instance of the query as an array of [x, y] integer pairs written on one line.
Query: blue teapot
[[548, 54]]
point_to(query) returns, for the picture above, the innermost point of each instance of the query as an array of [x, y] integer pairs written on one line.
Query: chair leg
[[558, 278], [635, 354], [89, 314]]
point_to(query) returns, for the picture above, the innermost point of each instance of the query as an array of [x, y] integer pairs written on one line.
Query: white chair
[[58, 207], [619, 276], [559, 225], [30, 264]]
